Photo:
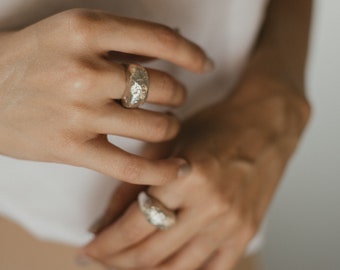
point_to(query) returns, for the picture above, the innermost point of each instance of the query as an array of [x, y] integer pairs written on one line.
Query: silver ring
[[155, 212], [137, 86]]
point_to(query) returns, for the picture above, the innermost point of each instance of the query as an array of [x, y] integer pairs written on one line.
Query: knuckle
[[165, 127], [174, 90], [95, 253], [76, 118], [167, 82], [162, 180], [79, 23], [78, 81], [64, 147], [164, 173], [132, 233], [212, 190], [205, 168], [132, 171]]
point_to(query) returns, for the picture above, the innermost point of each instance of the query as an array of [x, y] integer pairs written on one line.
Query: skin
[[59, 87], [237, 151]]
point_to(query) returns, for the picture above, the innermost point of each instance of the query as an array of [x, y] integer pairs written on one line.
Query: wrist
[[268, 62], [262, 102]]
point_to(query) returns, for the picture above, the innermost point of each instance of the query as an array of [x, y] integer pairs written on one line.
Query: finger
[[127, 57], [224, 260], [101, 156], [227, 256], [231, 250], [201, 247], [159, 246], [133, 36], [120, 200], [130, 229], [138, 123], [194, 254], [163, 88]]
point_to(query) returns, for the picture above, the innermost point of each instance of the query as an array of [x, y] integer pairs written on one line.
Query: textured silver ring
[[137, 86], [155, 212]]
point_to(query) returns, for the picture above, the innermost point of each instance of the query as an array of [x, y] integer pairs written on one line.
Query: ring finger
[[131, 230], [194, 254], [197, 251], [137, 123]]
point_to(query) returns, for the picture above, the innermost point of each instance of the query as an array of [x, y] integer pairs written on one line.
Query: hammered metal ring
[[155, 212], [137, 86]]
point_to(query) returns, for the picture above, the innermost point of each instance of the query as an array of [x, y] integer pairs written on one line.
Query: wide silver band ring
[[137, 86], [155, 212]]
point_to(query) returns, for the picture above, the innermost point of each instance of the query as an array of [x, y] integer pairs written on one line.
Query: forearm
[[273, 81], [282, 46]]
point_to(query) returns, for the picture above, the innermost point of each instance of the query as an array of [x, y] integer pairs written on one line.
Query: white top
[[60, 202]]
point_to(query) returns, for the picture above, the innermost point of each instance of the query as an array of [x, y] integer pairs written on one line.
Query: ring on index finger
[[137, 86]]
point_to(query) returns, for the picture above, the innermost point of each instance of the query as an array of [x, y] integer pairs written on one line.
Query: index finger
[[113, 33]]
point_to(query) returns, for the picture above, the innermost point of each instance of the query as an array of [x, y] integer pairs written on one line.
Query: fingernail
[[97, 225], [83, 260], [184, 169], [209, 65]]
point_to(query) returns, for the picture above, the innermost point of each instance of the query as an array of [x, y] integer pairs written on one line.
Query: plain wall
[[304, 221]]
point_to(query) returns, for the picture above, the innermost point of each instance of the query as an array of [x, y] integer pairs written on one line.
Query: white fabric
[[59, 202]]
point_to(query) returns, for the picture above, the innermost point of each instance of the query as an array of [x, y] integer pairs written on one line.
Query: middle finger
[[137, 123], [163, 88]]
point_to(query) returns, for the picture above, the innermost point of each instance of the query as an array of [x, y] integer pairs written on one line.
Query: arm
[[238, 150], [279, 56], [283, 42], [270, 97]]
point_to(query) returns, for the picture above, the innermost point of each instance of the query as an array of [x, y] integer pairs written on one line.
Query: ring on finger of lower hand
[[155, 212]]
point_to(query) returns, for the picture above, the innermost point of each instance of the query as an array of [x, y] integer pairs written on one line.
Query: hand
[[58, 90], [237, 150]]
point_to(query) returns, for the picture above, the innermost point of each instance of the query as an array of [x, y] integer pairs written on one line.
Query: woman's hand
[[58, 89], [237, 151]]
